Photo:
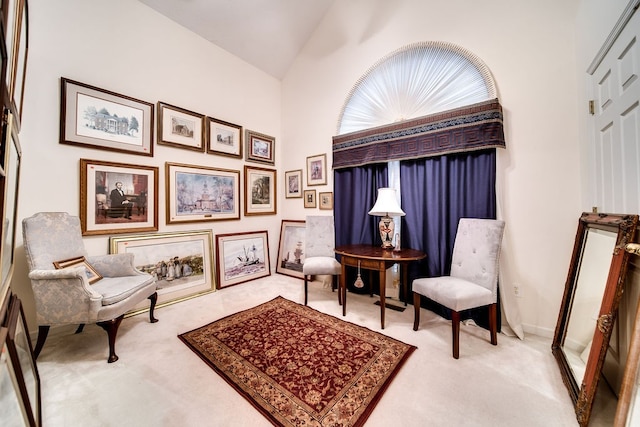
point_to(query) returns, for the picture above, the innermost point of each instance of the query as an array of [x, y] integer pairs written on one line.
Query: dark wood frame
[[23, 361], [68, 121], [221, 254], [624, 226], [211, 125], [9, 189], [272, 207], [253, 137], [87, 196], [175, 141]]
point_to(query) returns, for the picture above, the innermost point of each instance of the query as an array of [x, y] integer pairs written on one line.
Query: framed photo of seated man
[[117, 197]]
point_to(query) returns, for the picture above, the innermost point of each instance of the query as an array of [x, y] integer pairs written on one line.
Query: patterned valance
[[468, 128]]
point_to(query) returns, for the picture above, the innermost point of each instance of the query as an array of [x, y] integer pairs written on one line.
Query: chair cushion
[[116, 289], [454, 293], [321, 265]]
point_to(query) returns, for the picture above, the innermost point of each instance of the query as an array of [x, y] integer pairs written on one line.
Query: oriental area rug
[[298, 366]]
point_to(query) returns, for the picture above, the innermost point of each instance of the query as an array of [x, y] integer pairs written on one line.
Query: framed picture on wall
[[181, 262], [224, 138], [98, 118], [309, 198], [259, 191], [200, 193], [317, 170], [291, 248], [117, 197], [260, 148], [241, 257], [293, 184], [180, 128], [326, 200]]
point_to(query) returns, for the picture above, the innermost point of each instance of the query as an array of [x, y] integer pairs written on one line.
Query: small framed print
[[180, 128], [326, 200], [92, 275], [317, 170], [224, 138], [241, 257], [259, 191], [309, 198], [260, 148], [98, 118], [293, 184]]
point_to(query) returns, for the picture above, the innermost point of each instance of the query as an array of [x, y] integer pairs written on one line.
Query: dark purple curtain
[[355, 192], [436, 193]]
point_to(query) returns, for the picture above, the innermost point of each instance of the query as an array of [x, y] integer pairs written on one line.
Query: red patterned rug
[[298, 366]]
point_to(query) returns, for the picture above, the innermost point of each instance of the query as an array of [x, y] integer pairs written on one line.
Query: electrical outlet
[[517, 291]]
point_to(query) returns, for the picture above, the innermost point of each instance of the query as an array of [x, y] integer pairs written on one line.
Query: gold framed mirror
[[590, 303]]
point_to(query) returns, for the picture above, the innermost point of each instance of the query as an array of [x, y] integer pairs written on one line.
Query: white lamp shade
[[386, 204]]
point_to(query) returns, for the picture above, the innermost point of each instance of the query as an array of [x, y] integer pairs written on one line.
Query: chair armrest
[[114, 265], [64, 296]]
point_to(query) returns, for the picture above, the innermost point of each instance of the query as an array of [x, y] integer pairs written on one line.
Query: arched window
[[416, 80]]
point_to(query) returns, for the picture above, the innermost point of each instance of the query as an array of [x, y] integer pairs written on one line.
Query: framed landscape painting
[[260, 191], [224, 138], [291, 248], [117, 197], [200, 193], [241, 257], [181, 263], [98, 118]]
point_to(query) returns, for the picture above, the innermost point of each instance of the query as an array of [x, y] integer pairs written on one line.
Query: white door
[[616, 88], [616, 153]]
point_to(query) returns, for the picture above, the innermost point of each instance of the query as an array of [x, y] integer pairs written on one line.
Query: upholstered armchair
[[319, 243], [473, 280], [64, 296]]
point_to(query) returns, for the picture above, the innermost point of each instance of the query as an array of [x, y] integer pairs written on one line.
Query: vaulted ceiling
[[268, 34]]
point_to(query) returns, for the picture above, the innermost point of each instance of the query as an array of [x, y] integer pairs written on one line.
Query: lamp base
[[386, 227]]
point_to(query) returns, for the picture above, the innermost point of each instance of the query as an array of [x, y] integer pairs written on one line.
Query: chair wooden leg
[[80, 328], [111, 326], [305, 289], [154, 299], [43, 331], [455, 327], [334, 285], [493, 323], [416, 310]]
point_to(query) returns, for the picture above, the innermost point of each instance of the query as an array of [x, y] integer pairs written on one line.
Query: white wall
[[529, 48], [126, 47]]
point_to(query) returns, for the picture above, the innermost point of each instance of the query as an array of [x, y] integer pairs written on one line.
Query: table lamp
[[386, 206]]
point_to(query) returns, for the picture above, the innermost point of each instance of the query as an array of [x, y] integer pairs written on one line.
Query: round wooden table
[[372, 257]]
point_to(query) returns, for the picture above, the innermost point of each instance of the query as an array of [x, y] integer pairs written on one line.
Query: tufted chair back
[[476, 252]]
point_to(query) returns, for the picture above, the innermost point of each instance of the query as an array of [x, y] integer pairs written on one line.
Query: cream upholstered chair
[[319, 243], [473, 280], [64, 296]]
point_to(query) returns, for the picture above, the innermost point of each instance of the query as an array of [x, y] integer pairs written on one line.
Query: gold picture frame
[[92, 275]]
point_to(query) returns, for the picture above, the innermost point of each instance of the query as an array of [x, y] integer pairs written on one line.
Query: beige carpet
[[159, 382]]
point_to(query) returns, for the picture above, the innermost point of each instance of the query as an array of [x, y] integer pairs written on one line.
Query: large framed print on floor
[[98, 118], [117, 198], [200, 193], [291, 248], [241, 257], [181, 262], [23, 364]]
